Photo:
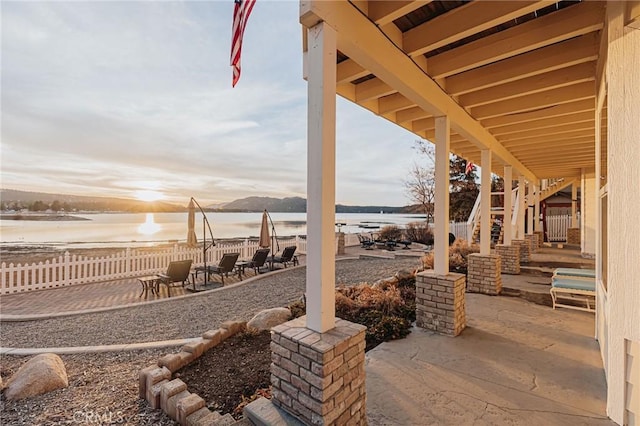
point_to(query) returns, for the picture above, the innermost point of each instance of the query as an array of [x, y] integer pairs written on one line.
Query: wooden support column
[[485, 203], [521, 207], [530, 201], [508, 177], [441, 207], [536, 208], [321, 177], [574, 205]]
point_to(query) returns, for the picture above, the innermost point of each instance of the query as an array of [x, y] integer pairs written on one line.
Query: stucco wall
[[623, 74]]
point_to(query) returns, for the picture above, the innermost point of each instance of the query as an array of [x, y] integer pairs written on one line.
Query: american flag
[[241, 13], [469, 168]]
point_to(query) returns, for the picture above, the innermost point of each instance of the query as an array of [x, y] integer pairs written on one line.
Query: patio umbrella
[[191, 228], [265, 239]]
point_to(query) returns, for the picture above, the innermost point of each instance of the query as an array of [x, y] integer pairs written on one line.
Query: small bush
[[419, 232], [390, 232], [458, 256], [297, 309]]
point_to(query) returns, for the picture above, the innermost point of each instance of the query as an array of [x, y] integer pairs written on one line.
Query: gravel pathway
[[190, 317]]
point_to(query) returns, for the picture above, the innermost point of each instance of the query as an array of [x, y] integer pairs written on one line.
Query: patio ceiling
[[519, 78]]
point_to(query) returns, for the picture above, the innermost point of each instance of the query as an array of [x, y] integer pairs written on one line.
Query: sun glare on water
[[149, 227], [149, 195]]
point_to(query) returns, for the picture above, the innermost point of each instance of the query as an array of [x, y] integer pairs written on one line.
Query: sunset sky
[[114, 98]]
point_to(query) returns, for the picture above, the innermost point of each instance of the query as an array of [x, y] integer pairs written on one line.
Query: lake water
[[145, 229]]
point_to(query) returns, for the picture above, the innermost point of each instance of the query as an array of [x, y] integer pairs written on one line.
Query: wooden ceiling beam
[[411, 114], [557, 130], [464, 21], [348, 71], [538, 83], [424, 124], [559, 139], [543, 113], [383, 12], [543, 123], [372, 89], [560, 55], [395, 102], [543, 148], [572, 21], [536, 101]]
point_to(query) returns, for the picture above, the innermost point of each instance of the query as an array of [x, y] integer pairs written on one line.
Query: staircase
[[551, 186], [497, 221]]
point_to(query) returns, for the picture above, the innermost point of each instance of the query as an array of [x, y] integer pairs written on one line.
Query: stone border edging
[[171, 396]]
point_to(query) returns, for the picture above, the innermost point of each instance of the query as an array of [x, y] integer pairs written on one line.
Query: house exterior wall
[[623, 267]]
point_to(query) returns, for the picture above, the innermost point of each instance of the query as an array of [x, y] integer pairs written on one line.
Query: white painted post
[[485, 202], [321, 176], [441, 204], [508, 178], [521, 207], [574, 205], [530, 203], [536, 208]]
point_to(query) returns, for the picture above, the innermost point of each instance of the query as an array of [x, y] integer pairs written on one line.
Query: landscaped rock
[[384, 283], [404, 274], [268, 318], [41, 374]]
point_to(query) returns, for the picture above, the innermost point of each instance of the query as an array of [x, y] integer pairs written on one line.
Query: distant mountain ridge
[[248, 204]]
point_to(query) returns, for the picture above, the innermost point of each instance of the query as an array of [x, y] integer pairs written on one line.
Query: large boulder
[[268, 318], [41, 374]]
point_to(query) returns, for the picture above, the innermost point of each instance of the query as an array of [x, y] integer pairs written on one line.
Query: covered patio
[[531, 91]]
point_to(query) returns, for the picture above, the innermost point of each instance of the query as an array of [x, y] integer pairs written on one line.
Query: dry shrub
[[419, 232], [458, 255], [390, 232]]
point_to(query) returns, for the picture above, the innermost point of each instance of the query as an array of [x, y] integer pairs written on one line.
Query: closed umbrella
[[191, 229], [265, 239]]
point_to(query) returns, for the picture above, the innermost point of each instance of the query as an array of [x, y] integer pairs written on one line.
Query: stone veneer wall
[[319, 377], [483, 274], [540, 235], [525, 250], [440, 303], [573, 236], [533, 244], [155, 384], [510, 255], [340, 249]]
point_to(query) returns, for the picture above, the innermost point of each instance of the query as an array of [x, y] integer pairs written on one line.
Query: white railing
[[459, 229], [557, 226], [67, 270]]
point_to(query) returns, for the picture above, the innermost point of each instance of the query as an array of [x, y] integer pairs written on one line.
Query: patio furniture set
[[179, 272], [368, 243]]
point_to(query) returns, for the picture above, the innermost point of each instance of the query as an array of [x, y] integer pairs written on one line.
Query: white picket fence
[[69, 269], [557, 227], [459, 229]]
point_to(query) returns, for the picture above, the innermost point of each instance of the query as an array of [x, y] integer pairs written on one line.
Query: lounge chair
[[177, 272], [258, 260], [366, 242], [576, 285], [288, 255], [225, 265]]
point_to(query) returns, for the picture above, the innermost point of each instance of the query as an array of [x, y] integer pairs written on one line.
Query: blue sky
[[109, 98]]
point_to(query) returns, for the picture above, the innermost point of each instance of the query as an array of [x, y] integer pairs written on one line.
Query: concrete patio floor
[[516, 363]]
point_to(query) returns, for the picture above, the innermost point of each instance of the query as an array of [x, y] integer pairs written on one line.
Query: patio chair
[[366, 242], [258, 260], [177, 272], [226, 264], [288, 255]]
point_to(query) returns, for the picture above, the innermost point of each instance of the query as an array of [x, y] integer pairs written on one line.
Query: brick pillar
[[440, 302], [540, 235], [525, 250], [319, 377], [533, 246], [573, 236], [510, 255], [340, 249], [483, 274]]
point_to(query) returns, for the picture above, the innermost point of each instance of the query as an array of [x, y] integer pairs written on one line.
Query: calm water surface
[[141, 229]]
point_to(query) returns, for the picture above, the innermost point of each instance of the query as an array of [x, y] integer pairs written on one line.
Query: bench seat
[[575, 289], [574, 272]]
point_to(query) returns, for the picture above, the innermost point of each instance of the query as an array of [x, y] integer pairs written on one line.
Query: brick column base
[[525, 250], [319, 377], [483, 274], [340, 249], [440, 302], [533, 245], [510, 255], [573, 236], [540, 235]]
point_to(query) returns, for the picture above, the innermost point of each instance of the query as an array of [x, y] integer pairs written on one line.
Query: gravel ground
[[188, 317], [103, 387]]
